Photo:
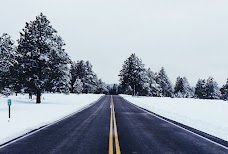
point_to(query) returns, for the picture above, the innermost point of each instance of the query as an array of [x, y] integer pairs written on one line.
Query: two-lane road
[[91, 131]]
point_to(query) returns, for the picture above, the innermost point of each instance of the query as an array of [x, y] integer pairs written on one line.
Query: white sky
[[188, 37]]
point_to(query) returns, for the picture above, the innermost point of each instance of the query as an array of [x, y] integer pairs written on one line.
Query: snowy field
[[210, 116], [27, 116]]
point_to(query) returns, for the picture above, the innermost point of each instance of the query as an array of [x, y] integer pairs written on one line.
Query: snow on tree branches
[[7, 62], [224, 91], [182, 88], [132, 76], [164, 82], [42, 61], [83, 71], [207, 89], [136, 80]]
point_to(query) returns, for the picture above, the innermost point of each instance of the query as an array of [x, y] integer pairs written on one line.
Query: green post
[[9, 104]]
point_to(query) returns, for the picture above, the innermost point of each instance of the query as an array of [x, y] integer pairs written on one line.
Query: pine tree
[[101, 87], [84, 71], [90, 79], [212, 89], [59, 80], [165, 84], [132, 76], [17, 78], [42, 61], [179, 87], [78, 86], [7, 62], [73, 74], [77, 70], [200, 89], [182, 88], [81, 69], [154, 87], [113, 90], [224, 91]]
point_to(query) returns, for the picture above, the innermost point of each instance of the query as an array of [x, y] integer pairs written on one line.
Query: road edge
[[206, 136]]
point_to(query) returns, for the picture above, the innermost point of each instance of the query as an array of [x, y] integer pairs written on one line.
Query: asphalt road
[[86, 132], [89, 132], [142, 133]]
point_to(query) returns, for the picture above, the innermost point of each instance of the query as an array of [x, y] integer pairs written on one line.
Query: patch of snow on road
[[27, 116], [210, 116]]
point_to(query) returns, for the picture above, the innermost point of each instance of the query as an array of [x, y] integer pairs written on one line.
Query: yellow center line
[[113, 120], [111, 134], [115, 131]]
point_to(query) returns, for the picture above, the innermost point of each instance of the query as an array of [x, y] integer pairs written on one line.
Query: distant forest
[[135, 79]]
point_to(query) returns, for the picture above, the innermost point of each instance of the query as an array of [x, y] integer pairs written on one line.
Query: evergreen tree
[[182, 88], [165, 84], [74, 76], [154, 87], [42, 61], [113, 90], [179, 87], [200, 89], [83, 71], [224, 91], [101, 87], [121, 90], [77, 70], [59, 80], [17, 79], [90, 79], [132, 76], [7, 62], [212, 89], [78, 86]]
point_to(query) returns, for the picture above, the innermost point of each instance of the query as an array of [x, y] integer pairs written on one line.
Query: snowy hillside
[[26, 115], [209, 116]]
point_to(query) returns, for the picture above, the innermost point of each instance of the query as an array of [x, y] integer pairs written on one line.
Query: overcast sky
[[188, 37]]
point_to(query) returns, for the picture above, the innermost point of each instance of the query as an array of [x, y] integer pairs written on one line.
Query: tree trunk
[[30, 95], [38, 96]]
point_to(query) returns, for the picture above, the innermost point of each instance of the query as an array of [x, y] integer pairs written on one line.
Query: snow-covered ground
[[26, 115], [210, 116]]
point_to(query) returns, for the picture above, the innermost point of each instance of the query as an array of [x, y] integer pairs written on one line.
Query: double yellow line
[[113, 120]]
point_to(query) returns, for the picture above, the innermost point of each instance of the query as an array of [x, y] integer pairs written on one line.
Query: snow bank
[[210, 116], [27, 116]]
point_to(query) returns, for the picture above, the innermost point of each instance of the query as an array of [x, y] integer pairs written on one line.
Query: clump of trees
[[207, 89], [84, 80], [135, 79], [40, 64], [182, 88]]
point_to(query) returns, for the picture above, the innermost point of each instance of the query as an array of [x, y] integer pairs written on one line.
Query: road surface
[[112, 125]]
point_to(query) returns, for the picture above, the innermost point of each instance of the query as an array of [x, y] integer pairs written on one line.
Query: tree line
[[39, 63], [135, 79]]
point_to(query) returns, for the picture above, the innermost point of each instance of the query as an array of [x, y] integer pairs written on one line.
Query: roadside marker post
[[9, 104]]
